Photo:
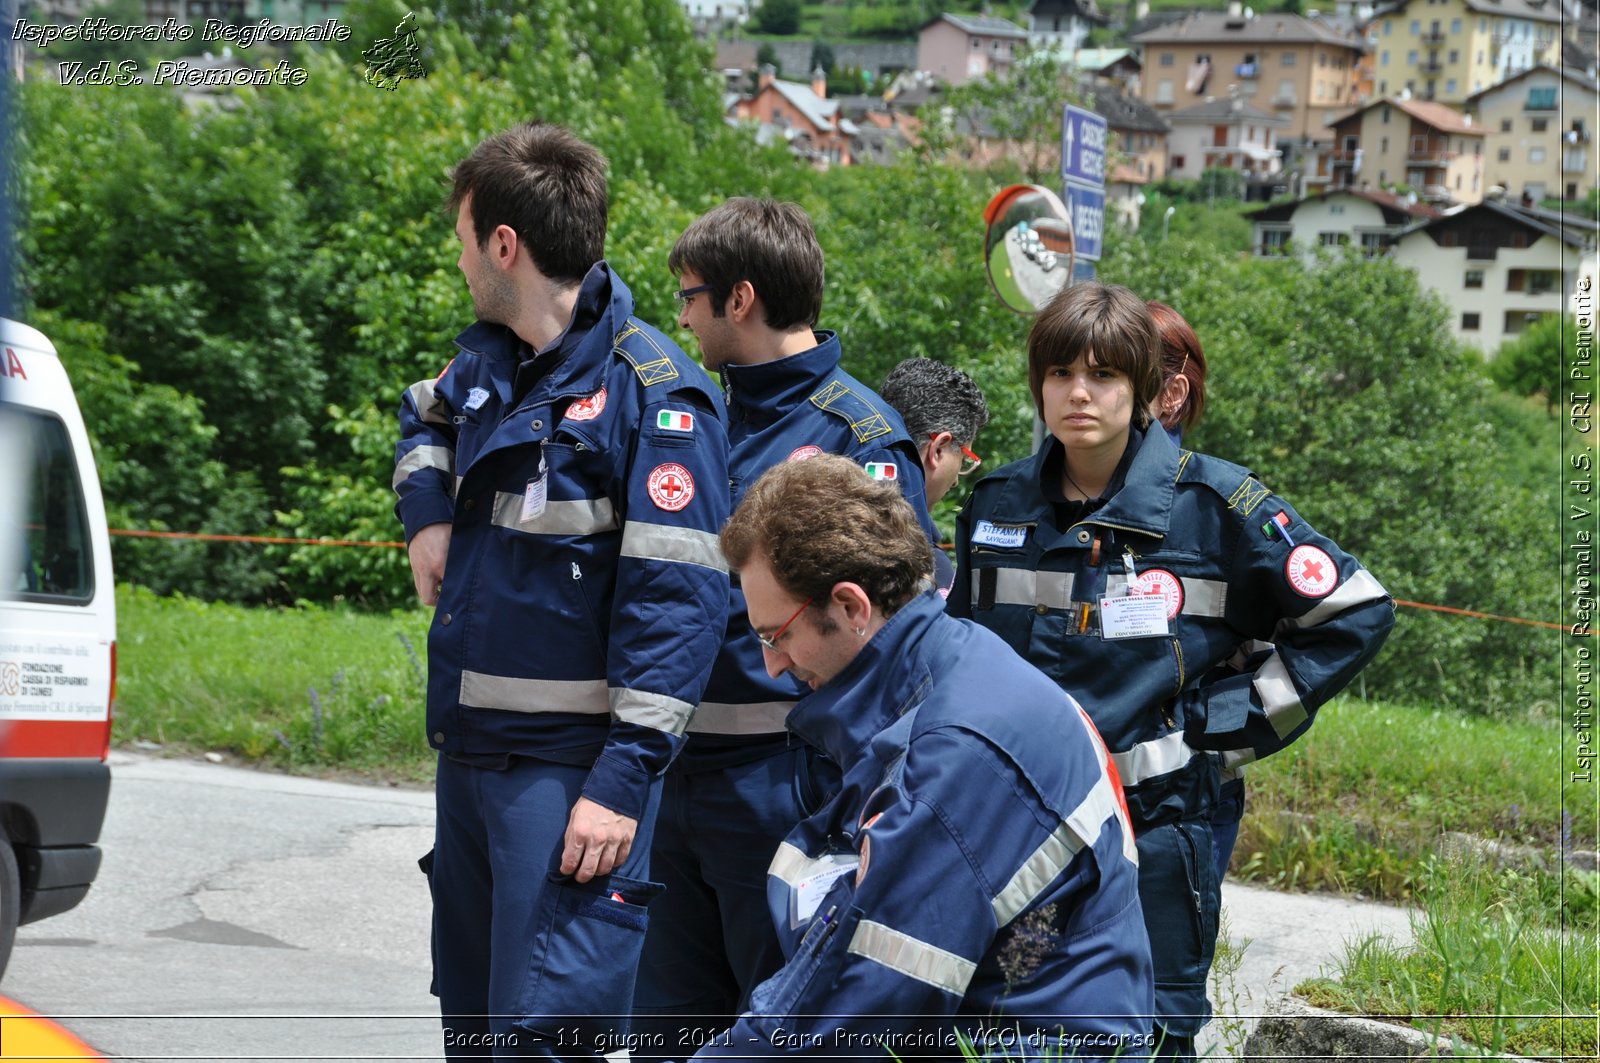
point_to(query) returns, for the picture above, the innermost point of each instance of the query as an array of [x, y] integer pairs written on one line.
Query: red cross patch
[[1311, 572], [1160, 582], [670, 486], [587, 409], [802, 453]]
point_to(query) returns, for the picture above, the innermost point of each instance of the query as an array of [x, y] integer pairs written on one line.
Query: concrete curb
[[1296, 1032]]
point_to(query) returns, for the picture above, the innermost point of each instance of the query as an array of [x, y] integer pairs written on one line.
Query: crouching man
[[975, 876]]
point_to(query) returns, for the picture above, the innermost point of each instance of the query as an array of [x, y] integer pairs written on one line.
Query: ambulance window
[[57, 560]]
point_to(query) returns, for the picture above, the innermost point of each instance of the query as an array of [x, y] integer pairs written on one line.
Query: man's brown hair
[[1108, 322], [770, 244], [545, 183], [824, 521]]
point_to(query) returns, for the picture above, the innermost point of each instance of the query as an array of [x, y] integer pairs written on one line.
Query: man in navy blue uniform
[[752, 277], [943, 409], [976, 873], [561, 485]]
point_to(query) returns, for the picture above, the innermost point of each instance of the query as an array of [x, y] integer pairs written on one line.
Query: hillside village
[[1456, 136]]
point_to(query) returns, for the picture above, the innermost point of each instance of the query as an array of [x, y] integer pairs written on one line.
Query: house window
[[1274, 242], [1542, 281], [1164, 91], [1504, 154], [1542, 99], [1455, 27], [1383, 145], [1505, 125], [1469, 322], [1473, 279], [1177, 162], [1372, 245], [1388, 24], [1168, 59], [1383, 57], [1535, 154], [1450, 87], [1416, 27], [1384, 114], [1539, 125], [1455, 56], [1287, 59], [1333, 239], [977, 45], [1411, 57]]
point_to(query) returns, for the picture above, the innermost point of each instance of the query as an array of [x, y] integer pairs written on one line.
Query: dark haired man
[[561, 485], [943, 409], [968, 878], [752, 276]]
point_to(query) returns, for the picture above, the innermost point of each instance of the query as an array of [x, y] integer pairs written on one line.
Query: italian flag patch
[[673, 421], [882, 470]]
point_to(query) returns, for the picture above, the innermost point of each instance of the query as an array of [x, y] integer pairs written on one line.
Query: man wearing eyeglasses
[[968, 878], [751, 276], [944, 410]]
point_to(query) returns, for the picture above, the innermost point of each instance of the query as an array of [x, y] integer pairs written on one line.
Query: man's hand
[[597, 840], [427, 551]]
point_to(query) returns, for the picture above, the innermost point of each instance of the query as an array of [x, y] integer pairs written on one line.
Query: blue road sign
[[1086, 205], [1083, 146]]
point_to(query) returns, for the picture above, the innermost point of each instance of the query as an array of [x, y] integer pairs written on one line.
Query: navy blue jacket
[[585, 591], [780, 411], [1238, 569], [984, 877]]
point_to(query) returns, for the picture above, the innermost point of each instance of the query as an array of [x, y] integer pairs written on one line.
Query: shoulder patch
[[865, 421], [656, 366], [1247, 496]]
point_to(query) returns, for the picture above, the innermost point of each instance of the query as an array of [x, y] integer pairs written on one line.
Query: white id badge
[[809, 891], [535, 494], [1136, 616]]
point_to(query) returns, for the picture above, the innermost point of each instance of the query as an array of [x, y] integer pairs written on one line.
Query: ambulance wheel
[[10, 901]]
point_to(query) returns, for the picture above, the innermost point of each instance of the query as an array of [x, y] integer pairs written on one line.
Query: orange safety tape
[[273, 539], [284, 541], [1481, 616]]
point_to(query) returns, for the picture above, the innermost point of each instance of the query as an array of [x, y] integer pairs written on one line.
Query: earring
[[861, 632]]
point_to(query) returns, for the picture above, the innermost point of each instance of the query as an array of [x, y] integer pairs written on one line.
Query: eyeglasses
[[683, 295], [969, 460], [771, 641]]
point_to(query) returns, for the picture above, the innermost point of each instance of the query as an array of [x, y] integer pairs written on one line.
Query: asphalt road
[[246, 915]]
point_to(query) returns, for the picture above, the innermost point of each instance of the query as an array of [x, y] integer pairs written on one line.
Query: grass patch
[[1484, 968], [1357, 806], [306, 689]]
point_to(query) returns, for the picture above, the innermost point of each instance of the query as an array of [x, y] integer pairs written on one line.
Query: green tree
[[1010, 118], [779, 17], [1535, 362]]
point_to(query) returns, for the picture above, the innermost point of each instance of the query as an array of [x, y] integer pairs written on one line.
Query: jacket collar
[[768, 390], [603, 303], [875, 689], [1142, 504]]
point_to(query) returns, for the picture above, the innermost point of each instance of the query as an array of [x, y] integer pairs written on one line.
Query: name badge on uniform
[[1135, 616], [536, 494], [809, 891], [1005, 536]]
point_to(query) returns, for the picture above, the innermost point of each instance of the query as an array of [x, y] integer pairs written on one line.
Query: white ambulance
[[58, 649]]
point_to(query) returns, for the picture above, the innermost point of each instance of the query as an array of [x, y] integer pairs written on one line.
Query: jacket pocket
[[816, 961], [580, 981]]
